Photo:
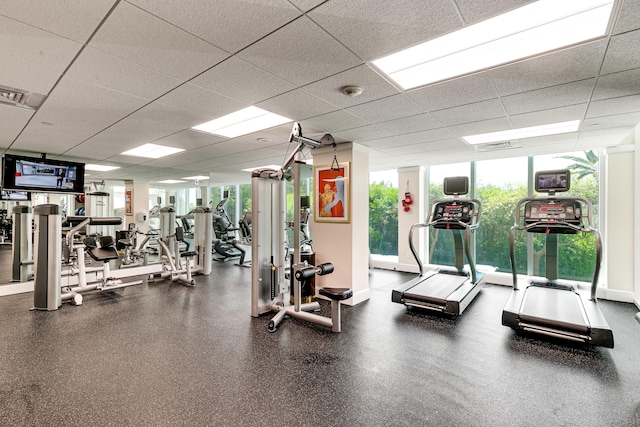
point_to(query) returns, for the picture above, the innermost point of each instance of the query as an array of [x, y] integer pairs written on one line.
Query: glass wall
[[441, 245], [383, 213], [499, 185], [576, 252]]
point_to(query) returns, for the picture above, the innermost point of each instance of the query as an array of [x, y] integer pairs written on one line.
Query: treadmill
[[548, 305], [447, 290]]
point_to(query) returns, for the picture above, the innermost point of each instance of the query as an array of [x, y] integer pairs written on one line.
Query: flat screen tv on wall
[[22, 173]]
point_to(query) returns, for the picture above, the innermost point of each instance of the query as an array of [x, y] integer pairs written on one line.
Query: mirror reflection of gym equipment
[[444, 289], [271, 284]]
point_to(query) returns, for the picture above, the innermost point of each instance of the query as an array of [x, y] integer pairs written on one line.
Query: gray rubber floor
[[166, 355]]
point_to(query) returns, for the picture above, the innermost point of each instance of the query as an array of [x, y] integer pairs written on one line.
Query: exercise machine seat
[[105, 252], [336, 294]]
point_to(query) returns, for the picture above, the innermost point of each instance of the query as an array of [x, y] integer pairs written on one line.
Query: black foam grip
[[326, 268], [305, 273]]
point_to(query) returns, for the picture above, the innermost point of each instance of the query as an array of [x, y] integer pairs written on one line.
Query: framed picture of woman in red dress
[[332, 193]]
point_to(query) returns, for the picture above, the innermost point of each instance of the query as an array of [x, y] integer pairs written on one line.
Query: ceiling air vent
[[20, 98], [495, 146]]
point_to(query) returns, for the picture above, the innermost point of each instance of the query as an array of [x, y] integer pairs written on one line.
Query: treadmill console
[[450, 214], [552, 214]]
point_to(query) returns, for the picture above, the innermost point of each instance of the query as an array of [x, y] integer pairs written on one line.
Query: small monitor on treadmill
[[553, 181], [456, 185]]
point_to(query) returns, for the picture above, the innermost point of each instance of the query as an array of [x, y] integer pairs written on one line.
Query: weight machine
[[270, 288]]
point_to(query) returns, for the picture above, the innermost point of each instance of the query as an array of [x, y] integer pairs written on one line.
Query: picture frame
[[128, 202], [332, 189]]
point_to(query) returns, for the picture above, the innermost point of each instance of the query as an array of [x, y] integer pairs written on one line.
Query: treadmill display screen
[[451, 213], [553, 212]]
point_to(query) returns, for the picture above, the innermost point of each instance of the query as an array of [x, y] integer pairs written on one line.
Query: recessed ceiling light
[[152, 151], [242, 122], [170, 181], [198, 177], [522, 133], [101, 168], [536, 28], [274, 167]]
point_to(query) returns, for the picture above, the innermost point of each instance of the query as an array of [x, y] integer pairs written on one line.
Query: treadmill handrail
[[469, 228], [584, 228]]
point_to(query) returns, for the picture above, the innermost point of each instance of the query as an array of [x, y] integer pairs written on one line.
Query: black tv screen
[[555, 181], [22, 173], [456, 185], [15, 196]]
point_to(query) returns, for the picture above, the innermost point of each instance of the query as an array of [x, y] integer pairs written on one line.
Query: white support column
[[346, 244], [411, 178], [619, 256], [139, 203], [636, 212]]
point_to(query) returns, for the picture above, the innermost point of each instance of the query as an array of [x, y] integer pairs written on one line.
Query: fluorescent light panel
[[152, 151], [242, 122], [198, 177], [100, 168], [522, 133], [274, 167], [539, 27], [170, 181]]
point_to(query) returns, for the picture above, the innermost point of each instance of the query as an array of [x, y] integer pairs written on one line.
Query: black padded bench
[[336, 295]]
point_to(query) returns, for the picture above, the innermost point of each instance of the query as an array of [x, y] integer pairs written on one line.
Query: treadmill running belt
[[435, 288], [555, 308]]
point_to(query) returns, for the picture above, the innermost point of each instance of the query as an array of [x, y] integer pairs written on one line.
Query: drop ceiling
[[118, 74]]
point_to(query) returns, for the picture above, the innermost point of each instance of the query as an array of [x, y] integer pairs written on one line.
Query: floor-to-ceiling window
[[576, 252], [499, 185], [383, 213], [441, 243]]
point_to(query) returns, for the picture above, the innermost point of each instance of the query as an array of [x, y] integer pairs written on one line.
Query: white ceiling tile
[[334, 122], [460, 91], [552, 115], [629, 18], [390, 28], [144, 39], [190, 140], [297, 105], [12, 121], [373, 87], [478, 10], [602, 137], [617, 84], [364, 133], [411, 124], [478, 111], [237, 79], [565, 66], [300, 53], [306, 5], [609, 107], [228, 24], [72, 19], [26, 78], [427, 136], [615, 121], [484, 126], [70, 115], [622, 53], [108, 71], [30, 48], [201, 102], [385, 109], [552, 97]]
